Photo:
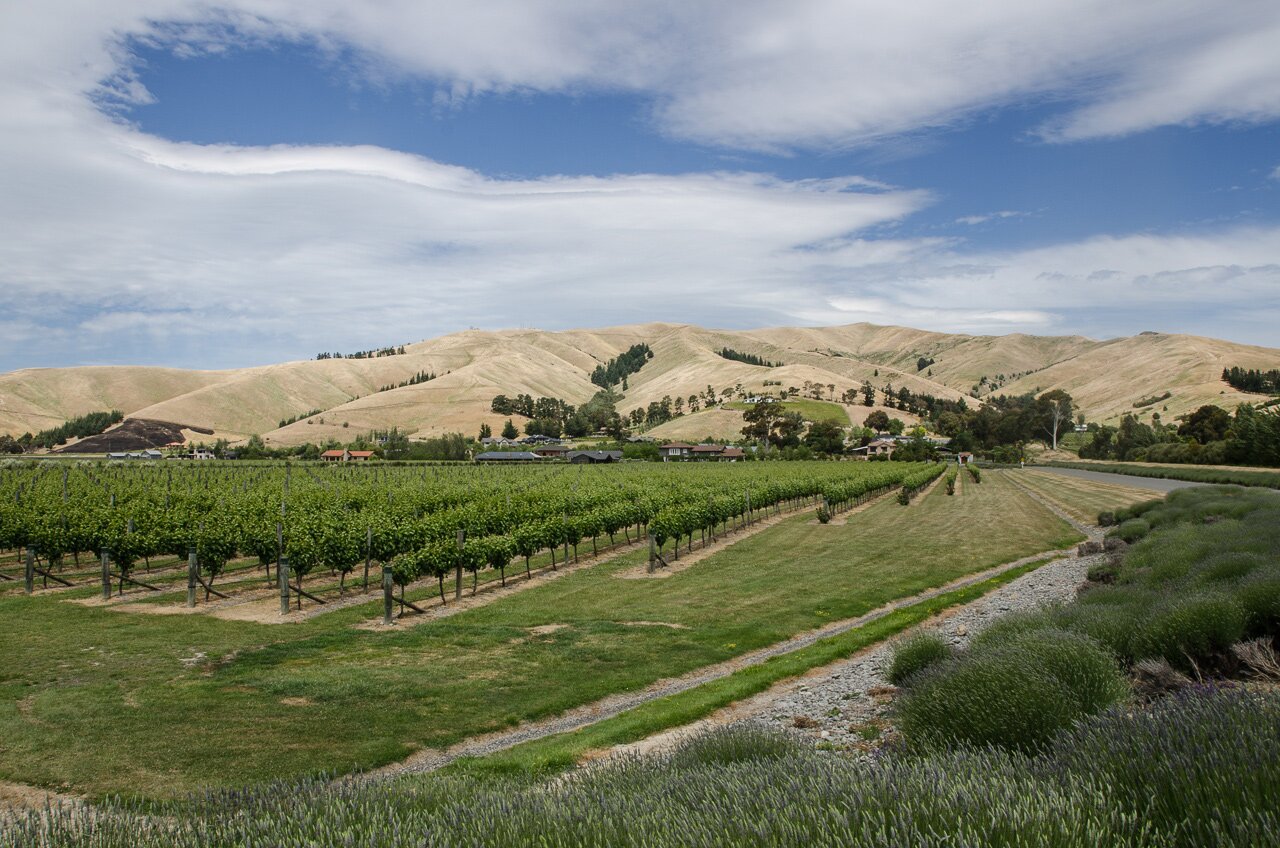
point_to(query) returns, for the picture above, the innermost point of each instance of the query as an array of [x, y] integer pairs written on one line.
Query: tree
[[878, 421], [1055, 413], [896, 426], [868, 394], [486, 432], [825, 437], [254, 448], [1207, 424], [509, 430]]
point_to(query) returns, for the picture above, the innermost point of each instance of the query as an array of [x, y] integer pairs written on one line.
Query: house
[[877, 447], [346, 456], [201, 453], [591, 457], [508, 456], [551, 451], [674, 450], [152, 453], [679, 451], [499, 441], [964, 458]]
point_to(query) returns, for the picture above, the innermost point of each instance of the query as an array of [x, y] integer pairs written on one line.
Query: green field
[[810, 410], [101, 701], [1081, 499]]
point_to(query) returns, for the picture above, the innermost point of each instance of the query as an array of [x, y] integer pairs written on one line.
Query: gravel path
[[845, 703], [432, 759]]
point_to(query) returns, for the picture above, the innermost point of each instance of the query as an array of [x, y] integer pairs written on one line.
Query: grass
[[1082, 499], [1203, 769], [100, 701], [809, 409], [562, 751], [1216, 475]]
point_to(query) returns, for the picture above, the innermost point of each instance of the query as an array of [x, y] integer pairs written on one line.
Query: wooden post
[[279, 549], [30, 576], [387, 595], [106, 574], [564, 520], [748, 493], [368, 554], [282, 576], [193, 567], [457, 572], [651, 553]]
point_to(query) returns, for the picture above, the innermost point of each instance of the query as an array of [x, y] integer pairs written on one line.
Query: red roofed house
[[346, 456]]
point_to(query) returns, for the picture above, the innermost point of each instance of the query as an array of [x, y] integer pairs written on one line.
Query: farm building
[[551, 451], [592, 457]]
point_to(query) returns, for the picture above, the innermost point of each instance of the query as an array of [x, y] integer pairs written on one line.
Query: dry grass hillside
[[1106, 378]]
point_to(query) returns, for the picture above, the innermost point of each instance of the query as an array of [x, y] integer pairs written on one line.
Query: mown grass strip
[[562, 751], [1191, 473]]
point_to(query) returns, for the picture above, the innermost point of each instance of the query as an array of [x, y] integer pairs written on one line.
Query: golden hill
[[1106, 378]]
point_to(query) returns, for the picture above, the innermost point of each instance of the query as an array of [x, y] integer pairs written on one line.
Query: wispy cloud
[[972, 220], [119, 244]]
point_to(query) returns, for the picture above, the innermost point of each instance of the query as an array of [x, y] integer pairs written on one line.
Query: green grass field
[[1081, 499], [99, 701], [810, 410]]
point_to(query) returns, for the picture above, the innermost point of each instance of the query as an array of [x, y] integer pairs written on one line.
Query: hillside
[[1106, 377]]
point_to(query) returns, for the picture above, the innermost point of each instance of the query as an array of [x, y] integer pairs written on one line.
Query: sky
[[223, 184]]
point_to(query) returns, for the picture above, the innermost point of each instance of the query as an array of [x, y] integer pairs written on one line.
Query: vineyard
[[140, 694], [418, 524]]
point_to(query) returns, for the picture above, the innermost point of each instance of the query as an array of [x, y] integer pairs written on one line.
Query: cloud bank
[[119, 246]]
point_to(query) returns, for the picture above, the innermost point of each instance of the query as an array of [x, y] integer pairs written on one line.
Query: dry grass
[[1104, 377]]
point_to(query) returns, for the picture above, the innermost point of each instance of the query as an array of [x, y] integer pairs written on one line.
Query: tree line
[[83, 426], [617, 370], [1252, 380]]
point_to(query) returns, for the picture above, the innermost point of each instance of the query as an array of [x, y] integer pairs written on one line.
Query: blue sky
[[227, 184]]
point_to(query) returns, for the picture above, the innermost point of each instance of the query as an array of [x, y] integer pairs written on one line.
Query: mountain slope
[[1105, 377]]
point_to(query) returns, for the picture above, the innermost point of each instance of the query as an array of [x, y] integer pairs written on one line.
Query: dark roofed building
[[593, 457]]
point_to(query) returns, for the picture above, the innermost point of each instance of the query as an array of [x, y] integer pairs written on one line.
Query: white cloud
[[972, 220], [120, 245]]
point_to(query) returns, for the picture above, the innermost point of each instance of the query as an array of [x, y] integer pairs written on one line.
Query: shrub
[[824, 515], [1228, 566], [1106, 518], [1200, 764], [1259, 597], [916, 653], [1189, 629], [1104, 572], [1011, 626], [1110, 625], [741, 743], [1017, 694], [1131, 530]]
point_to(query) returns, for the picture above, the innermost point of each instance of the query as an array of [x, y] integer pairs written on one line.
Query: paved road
[[1155, 484]]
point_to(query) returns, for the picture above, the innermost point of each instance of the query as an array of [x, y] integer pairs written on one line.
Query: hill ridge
[[472, 366]]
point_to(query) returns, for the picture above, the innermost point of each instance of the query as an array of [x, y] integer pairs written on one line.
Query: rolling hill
[[1106, 378]]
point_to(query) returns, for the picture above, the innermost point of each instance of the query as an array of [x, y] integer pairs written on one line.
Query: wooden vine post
[[457, 571], [652, 553], [368, 553], [193, 568], [388, 595], [282, 576], [29, 577], [106, 574]]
